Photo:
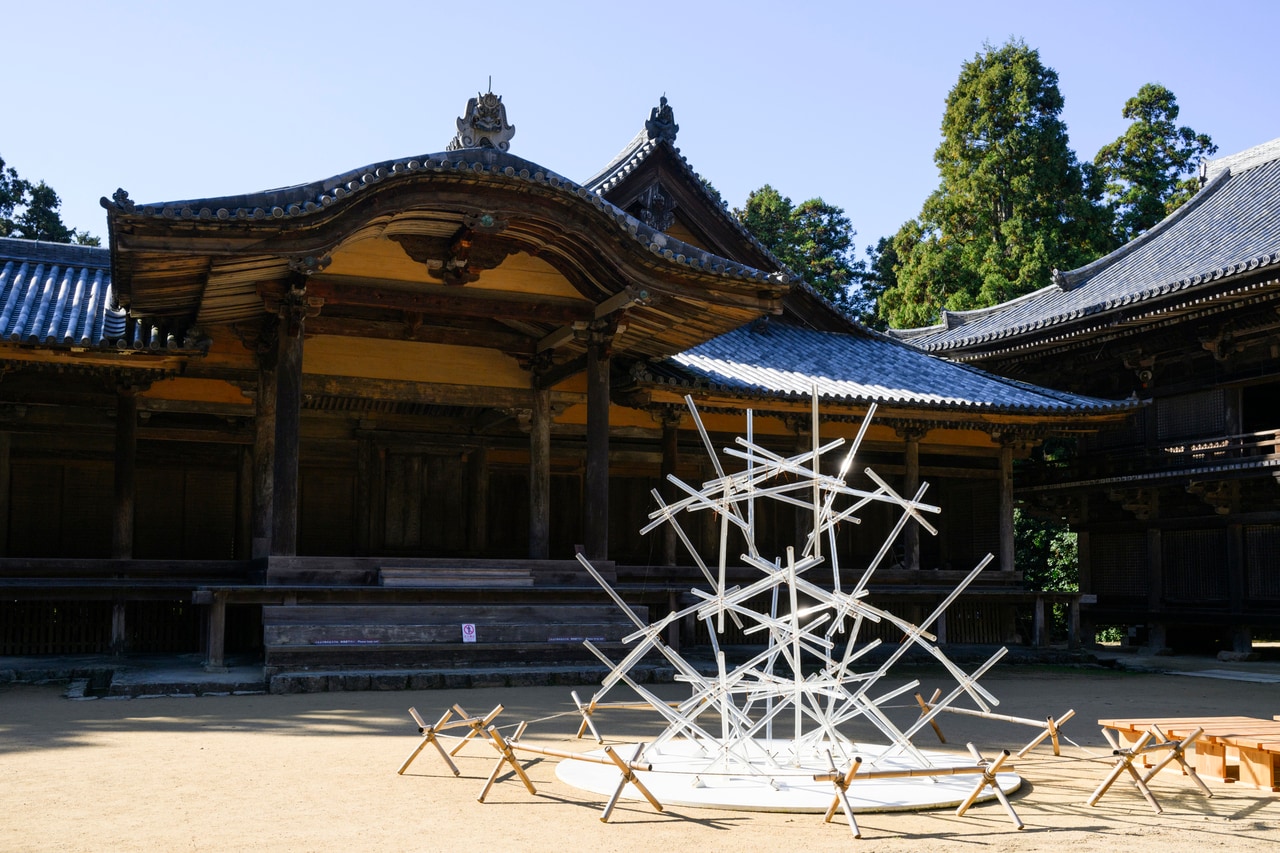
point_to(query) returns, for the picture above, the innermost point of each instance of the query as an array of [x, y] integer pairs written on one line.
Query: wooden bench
[[484, 577], [337, 636], [1255, 741]]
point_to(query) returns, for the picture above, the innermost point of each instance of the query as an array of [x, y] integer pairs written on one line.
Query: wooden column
[[284, 509], [6, 447], [596, 486], [1156, 635], [478, 469], [910, 485], [264, 455], [670, 459], [1006, 505], [1237, 592], [125, 472], [540, 475], [216, 639]]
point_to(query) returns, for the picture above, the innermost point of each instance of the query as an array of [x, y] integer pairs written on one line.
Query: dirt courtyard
[[318, 772]]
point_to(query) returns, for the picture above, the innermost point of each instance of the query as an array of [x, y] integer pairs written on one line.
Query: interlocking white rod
[[750, 489], [817, 466], [701, 499], [670, 516], [702, 431], [586, 711], [981, 697], [845, 465], [910, 506], [1005, 718], [962, 687], [910, 773], [617, 599], [875, 561], [657, 704]]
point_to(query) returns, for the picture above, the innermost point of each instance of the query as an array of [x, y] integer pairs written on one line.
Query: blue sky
[[844, 100]]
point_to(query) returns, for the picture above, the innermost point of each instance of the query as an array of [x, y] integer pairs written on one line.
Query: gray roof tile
[[779, 358], [58, 294], [1231, 227]]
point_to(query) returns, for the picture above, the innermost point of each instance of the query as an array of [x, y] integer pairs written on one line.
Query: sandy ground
[[318, 772]]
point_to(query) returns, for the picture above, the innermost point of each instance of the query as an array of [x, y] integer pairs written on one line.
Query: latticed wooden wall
[[1192, 415], [1262, 561], [1119, 563], [1195, 566]]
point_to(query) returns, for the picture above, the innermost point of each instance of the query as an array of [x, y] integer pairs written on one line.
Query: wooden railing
[[1214, 453]]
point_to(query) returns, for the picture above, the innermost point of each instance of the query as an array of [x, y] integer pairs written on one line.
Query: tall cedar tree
[[1149, 171], [30, 211], [1013, 204], [813, 239]]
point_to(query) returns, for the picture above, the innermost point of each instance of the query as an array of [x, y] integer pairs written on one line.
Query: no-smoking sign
[[468, 632]]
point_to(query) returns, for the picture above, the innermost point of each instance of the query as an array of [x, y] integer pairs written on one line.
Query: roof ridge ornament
[[484, 125], [662, 122]]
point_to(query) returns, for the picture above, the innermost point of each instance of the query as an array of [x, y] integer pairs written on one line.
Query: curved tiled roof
[[308, 200], [1230, 228], [779, 358], [56, 294]]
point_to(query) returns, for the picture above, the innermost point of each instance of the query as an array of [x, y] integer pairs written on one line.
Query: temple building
[[331, 423], [1178, 512]]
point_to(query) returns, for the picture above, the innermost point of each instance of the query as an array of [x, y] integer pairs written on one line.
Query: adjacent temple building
[[332, 424], [1178, 512]]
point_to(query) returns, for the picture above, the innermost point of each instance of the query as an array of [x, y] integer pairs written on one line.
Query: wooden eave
[[941, 417], [1125, 322], [219, 270]]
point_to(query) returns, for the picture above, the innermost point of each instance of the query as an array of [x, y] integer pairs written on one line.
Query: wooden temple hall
[[330, 424]]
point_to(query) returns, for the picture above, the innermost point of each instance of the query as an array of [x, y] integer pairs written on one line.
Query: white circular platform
[[680, 778]]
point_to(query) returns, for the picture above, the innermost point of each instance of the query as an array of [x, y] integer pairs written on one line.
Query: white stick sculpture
[[781, 689]]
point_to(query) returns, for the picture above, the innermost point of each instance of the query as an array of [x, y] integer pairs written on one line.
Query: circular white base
[[683, 776]]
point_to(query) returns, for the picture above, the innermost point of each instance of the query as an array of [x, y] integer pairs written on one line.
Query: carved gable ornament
[[662, 122], [484, 125]]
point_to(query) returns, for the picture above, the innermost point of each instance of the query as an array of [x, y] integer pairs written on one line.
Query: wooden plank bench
[[373, 635], [1255, 741], [484, 577]]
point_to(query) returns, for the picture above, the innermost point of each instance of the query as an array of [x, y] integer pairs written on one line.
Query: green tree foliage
[[1046, 554], [1013, 203], [30, 211], [876, 276], [1149, 171], [813, 239]]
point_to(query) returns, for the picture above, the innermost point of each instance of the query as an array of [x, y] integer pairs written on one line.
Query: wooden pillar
[[264, 455], [478, 469], [910, 485], [284, 509], [6, 446], [670, 459], [540, 475], [1156, 636], [243, 545], [125, 472], [118, 633], [596, 491], [1241, 633], [1006, 506], [216, 641]]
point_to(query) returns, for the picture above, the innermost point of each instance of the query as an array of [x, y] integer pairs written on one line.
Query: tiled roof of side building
[[57, 294], [778, 358], [1229, 228]]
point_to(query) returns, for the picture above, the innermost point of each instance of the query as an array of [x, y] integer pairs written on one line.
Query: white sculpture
[[754, 735]]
